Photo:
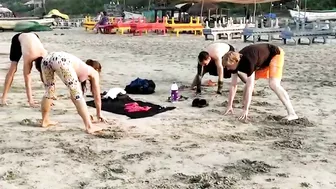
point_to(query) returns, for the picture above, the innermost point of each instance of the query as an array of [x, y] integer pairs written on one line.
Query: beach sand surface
[[183, 148]]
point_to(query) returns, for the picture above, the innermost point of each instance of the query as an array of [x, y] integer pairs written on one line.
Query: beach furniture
[[137, 28], [67, 24], [194, 26], [257, 32], [89, 23], [134, 26], [116, 24], [223, 29], [122, 26], [298, 33]]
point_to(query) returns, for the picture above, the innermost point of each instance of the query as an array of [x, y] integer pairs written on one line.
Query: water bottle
[[174, 92]]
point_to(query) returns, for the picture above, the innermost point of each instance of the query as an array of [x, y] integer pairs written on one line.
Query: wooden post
[[202, 11]]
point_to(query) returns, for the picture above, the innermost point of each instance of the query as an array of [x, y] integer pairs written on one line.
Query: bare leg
[[275, 85], [84, 113], [48, 77], [45, 109], [9, 81]]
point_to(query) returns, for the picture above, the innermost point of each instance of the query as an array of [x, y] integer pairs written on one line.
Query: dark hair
[[95, 65], [38, 63], [105, 13], [203, 56]]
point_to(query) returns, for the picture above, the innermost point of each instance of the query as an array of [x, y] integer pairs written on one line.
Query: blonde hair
[[231, 58]]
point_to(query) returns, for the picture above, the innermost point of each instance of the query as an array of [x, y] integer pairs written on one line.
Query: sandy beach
[[183, 148]]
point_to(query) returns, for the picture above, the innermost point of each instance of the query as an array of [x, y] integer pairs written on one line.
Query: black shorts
[[15, 49], [211, 68]]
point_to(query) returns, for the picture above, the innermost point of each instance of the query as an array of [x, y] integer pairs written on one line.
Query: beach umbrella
[[201, 8]]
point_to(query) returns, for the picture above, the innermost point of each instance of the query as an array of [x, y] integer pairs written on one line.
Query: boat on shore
[[10, 22], [311, 16]]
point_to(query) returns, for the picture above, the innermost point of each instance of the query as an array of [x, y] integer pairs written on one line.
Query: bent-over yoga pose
[[210, 61], [28, 46], [72, 71], [257, 61]]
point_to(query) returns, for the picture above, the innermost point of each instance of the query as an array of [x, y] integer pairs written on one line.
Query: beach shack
[[160, 12]]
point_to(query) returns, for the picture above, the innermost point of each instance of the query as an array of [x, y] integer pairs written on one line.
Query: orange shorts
[[274, 70]]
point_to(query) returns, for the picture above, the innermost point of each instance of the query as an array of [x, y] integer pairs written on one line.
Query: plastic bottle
[[174, 92]]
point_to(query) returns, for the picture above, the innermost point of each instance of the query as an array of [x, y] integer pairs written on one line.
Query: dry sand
[[184, 148]]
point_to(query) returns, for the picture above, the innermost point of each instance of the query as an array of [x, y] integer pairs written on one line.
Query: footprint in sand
[[29, 122], [303, 121], [111, 133], [63, 97], [36, 123], [61, 112], [294, 143], [262, 103]]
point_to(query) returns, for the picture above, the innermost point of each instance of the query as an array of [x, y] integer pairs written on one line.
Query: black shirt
[[256, 57]]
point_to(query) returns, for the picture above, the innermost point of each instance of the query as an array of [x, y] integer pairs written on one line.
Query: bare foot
[[292, 117], [94, 130], [49, 124]]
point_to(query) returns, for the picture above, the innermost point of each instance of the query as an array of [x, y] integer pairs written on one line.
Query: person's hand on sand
[[101, 118], [33, 104], [244, 117], [3, 102], [228, 111]]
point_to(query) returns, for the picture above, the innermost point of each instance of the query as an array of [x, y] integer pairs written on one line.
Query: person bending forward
[[28, 46], [257, 61], [210, 61], [71, 70]]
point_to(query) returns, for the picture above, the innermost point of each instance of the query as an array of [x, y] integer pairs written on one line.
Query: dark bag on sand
[[141, 86]]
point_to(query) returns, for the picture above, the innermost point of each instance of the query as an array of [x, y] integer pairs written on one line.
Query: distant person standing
[[123, 15], [99, 15], [103, 21]]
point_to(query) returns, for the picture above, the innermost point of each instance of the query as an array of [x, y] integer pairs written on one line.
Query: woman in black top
[[257, 61]]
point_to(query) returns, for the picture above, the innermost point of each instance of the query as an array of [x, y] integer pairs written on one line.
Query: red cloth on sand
[[134, 107]]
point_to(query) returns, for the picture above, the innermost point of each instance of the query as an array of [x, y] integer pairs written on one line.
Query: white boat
[[311, 16], [9, 23]]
